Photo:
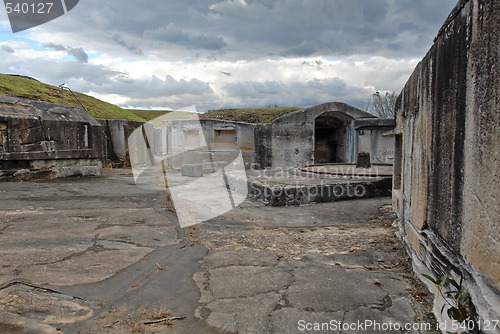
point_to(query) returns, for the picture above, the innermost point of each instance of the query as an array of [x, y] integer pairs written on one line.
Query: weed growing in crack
[[457, 299]]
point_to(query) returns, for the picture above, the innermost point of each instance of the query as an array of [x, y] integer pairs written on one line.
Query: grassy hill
[[33, 89], [148, 115], [250, 115]]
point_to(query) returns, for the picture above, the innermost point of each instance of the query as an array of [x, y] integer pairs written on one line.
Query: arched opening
[[330, 137]]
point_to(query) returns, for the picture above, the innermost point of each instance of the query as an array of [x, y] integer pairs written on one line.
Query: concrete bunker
[[327, 134], [39, 139]]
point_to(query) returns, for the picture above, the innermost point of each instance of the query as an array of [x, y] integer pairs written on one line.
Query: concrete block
[[192, 170]]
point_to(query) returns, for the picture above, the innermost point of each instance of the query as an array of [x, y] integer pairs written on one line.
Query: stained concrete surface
[[448, 143], [101, 255]]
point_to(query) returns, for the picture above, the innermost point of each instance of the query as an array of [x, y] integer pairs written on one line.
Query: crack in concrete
[[137, 223], [84, 217], [10, 283], [342, 321], [4, 228], [96, 248], [384, 304], [122, 241], [284, 295], [207, 275], [204, 312]]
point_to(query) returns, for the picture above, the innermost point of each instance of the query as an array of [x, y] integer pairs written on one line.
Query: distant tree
[[383, 105]]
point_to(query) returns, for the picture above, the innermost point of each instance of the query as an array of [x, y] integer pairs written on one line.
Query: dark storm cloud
[[259, 28], [57, 47], [79, 74], [297, 93], [155, 87], [173, 35], [78, 53], [119, 40]]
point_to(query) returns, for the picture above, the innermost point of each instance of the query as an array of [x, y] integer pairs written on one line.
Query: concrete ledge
[[296, 190], [48, 155], [306, 194], [48, 169]]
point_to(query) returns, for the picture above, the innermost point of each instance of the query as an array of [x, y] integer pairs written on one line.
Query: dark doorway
[[325, 150], [330, 137]]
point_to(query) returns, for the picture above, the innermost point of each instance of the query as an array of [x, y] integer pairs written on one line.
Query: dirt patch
[[144, 320], [377, 235]]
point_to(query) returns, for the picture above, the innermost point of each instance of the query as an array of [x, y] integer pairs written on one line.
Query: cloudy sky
[[228, 53]]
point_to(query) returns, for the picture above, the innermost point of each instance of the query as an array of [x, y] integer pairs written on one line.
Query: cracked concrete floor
[[100, 255]]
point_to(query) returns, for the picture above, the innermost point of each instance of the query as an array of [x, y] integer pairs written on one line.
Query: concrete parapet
[[45, 139], [278, 189]]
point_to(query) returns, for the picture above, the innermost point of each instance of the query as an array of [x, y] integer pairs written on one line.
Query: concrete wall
[[193, 141], [223, 135], [263, 146], [293, 135], [448, 145], [375, 136], [117, 133], [49, 140]]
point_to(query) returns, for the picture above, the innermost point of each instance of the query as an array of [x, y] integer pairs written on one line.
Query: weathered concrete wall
[[293, 135], [291, 140], [263, 146], [193, 141], [448, 132], [239, 136], [117, 133], [375, 136], [49, 140]]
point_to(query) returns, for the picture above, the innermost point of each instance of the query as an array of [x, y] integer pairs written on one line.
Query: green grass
[[250, 115], [148, 115], [35, 90]]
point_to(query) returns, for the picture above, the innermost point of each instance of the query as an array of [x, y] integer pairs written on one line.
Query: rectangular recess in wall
[[225, 139], [398, 161], [191, 139], [3, 136]]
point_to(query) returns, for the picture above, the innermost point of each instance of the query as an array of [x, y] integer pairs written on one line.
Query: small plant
[[457, 299]]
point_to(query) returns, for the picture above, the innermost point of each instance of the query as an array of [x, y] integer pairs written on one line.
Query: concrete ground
[[101, 255]]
